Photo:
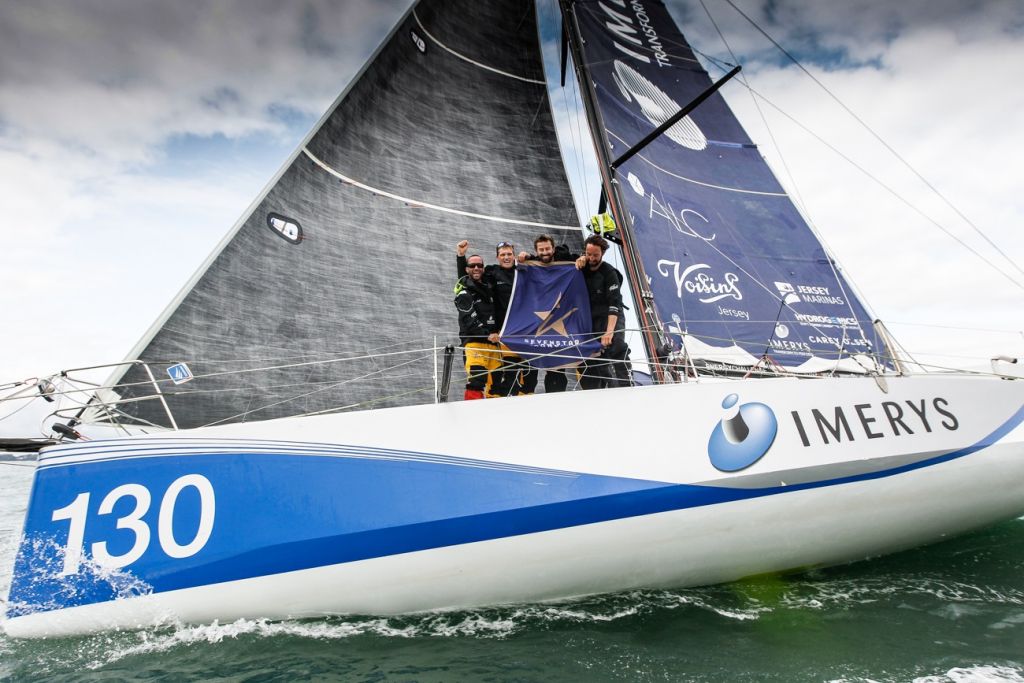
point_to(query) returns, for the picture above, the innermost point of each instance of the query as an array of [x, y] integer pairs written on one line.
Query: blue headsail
[[730, 260], [548, 321]]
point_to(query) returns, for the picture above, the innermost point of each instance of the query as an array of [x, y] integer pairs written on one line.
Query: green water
[[950, 612]]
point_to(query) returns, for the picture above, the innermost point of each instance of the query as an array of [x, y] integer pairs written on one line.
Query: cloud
[[115, 79], [841, 35], [105, 216]]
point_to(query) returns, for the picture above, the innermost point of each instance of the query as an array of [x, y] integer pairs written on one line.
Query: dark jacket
[[604, 286], [500, 280], [475, 303]]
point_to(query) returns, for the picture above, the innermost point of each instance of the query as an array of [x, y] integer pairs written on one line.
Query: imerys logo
[[744, 435]]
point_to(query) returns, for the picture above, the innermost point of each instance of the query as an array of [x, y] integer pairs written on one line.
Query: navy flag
[[548, 320]]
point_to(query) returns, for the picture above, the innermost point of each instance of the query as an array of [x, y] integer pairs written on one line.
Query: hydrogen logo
[[744, 435]]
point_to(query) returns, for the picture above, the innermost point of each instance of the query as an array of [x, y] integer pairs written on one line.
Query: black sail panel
[[734, 269], [342, 275]]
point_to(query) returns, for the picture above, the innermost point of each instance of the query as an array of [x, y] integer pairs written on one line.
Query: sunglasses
[[474, 265], [505, 244]]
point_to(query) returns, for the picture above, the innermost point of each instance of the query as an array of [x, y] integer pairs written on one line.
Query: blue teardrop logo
[[744, 435]]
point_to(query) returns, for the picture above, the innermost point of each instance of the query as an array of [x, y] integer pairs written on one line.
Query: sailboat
[[297, 460]]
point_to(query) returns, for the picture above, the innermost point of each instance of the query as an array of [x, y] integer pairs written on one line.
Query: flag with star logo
[[548, 320]]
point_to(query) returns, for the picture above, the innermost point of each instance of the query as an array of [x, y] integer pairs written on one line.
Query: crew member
[[500, 278], [606, 313], [547, 252], [478, 329]]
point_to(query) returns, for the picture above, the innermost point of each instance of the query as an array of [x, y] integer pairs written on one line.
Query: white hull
[[848, 500]]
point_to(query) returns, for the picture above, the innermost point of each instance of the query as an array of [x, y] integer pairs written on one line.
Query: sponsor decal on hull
[[873, 421], [743, 436], [746, 432]]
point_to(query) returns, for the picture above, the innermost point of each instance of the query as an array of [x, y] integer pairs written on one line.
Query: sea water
[[950, 612]]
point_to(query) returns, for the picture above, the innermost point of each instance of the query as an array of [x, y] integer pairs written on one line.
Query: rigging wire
[[770, 370], [329, 354], [771, 134], [725, 66], [366, 356], [873, 178], [370, 402], [17, 410], [92, 388], [384, 370], [890, 190], [885, 144], [720, 64], [800, 204], [578, 139], [380, 371], [955, 327]]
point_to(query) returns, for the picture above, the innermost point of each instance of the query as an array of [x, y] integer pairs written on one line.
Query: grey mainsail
[[340, 277]]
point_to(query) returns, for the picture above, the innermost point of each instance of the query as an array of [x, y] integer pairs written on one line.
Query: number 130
[[77, 511]]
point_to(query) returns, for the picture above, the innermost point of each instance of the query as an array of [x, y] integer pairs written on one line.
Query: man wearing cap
[[478, 329]]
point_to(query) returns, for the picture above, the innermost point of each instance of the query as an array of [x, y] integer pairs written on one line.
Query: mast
[[650, 324]]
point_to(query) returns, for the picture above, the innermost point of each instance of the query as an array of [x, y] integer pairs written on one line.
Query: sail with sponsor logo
[[733, 270]]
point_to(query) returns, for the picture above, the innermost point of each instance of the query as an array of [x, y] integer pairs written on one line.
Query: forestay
[[733, 267]]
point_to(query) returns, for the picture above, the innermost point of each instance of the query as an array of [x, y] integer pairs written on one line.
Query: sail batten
[[766, 193], [472, 61], [415, 203]]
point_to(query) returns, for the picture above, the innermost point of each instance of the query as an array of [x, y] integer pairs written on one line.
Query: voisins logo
[[743, 436]]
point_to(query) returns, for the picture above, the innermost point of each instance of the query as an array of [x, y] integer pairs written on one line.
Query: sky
[[134, 133]]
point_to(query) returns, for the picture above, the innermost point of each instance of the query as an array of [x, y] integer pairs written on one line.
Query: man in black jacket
[[478, 328], [500, 278], [547, 252], [606, 314]]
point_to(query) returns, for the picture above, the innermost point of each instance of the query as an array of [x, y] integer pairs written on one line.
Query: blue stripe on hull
[[277, 513], [282, 512]]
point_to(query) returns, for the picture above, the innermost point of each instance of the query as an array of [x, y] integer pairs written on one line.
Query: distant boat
[[300, 462]]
